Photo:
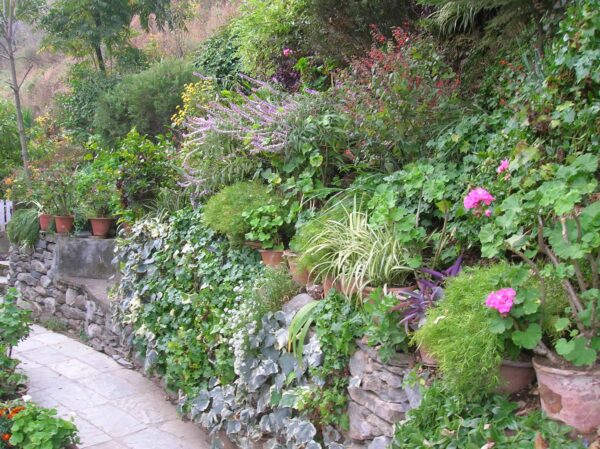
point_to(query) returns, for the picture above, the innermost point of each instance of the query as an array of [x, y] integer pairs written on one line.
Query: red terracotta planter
[[515, 376], [101, 226], [301, 276], [328, 283], [45, 221], [271, 257], [570, 395], [64, 224]]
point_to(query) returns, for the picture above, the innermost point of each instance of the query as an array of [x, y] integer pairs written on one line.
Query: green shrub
[[10, 149], [224, 212], [264, 28], [96, 189], [218, 58], [444, 421], [76, 108], [145, 101], [144, 168], [24, 227]]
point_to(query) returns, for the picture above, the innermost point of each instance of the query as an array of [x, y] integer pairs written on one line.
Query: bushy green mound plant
[[444, 421], [145, 101], [24, 227], [224, 212], [218, 58], [459, 332]]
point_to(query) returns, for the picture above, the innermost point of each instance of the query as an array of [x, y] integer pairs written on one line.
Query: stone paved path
[[115, 408]]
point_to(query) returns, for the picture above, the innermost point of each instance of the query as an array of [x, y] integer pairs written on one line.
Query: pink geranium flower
[[287, 52], [488, 213], [478, 197], [503, 166], [501, 300]]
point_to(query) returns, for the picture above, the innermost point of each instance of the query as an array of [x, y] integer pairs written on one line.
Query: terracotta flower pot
[[570, 395], [101, 227], [328, 283], [515, 376], [301, 276], [271, 257], [64, 224], [45, 221]]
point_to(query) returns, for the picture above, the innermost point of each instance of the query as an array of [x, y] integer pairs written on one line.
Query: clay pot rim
[[45, 215], [270, 251], [290, 253], [101, 218], [543, 364], [64, 216], [517, 363]]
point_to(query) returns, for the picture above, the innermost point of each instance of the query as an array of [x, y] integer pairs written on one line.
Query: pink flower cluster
[[501, 300], [503, 166], [287, 52], [478, 197]]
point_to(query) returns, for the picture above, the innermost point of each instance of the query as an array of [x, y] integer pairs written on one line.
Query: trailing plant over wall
[[180, 281]]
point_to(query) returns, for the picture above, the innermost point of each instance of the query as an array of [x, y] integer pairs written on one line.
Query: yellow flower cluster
[[194, 96]]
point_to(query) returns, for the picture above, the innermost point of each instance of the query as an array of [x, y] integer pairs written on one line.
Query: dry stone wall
[[80, 304], [380, 395]]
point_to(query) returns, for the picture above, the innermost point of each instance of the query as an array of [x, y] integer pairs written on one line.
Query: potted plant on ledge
[[265, 224], [98, 196], [62, 189]]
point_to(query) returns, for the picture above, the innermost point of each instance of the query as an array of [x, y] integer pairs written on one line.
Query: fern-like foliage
[[23, 228], [496, 17]]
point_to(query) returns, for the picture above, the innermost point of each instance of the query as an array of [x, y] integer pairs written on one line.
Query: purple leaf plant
[[414, 304]]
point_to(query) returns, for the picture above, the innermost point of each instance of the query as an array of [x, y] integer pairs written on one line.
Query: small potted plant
[[98, 197], [265, 223]]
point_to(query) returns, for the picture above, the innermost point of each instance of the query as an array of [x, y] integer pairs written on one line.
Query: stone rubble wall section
[[63, 301], [380, 395]]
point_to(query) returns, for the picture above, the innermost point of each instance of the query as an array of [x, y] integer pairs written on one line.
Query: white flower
[[26, 398]]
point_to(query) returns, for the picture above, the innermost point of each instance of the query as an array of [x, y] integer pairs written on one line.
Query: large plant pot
[[64, 224], [328, 283], [570, 395], [45, 221], [301, 276], [101, 227], [271, 257], [515, 376]]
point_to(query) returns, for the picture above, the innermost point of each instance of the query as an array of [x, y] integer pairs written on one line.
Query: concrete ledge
[[83, 258]]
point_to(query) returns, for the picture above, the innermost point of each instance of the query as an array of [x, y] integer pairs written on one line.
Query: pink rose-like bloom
[[488, 213], [503, 166], [476, 197], [287, 52], [501, 300]]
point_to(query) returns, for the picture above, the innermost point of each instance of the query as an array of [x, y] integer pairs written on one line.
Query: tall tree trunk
[[100, 58], [16, 88]]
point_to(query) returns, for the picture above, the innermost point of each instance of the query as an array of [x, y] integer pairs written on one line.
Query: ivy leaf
[[528, 338]]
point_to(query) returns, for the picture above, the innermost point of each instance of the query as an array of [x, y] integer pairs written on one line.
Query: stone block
[[45, 281], [38, 266], [47, 255], [388, 411], [93, 331], [36, 275], [72, 313], [71, 296], [26, 278], [49, 305], [364, 425], [41, 290], [381, 442], [41, 244]]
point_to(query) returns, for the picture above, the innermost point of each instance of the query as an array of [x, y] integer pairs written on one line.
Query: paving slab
[[112, 406]]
